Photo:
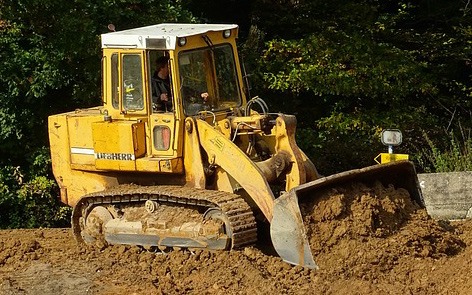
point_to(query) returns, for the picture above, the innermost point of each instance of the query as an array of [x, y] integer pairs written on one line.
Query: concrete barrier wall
[[447, 195]]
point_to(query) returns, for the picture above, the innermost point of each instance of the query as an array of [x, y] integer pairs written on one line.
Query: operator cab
[[203, 68], [203, 74]]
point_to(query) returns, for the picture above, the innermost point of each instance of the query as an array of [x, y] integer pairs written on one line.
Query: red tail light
[[161, 138]]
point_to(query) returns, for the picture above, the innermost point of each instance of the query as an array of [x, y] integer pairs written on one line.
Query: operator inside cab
[[160, 86]]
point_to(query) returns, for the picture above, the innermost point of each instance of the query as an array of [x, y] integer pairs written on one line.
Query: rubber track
[[240, 216]]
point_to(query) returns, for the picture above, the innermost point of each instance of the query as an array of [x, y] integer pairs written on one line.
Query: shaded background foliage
[[50, 54], [346, 68]]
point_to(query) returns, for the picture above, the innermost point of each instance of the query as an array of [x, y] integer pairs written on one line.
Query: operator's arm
[[195, 104]]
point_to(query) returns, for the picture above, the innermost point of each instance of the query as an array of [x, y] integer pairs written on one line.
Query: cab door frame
[[164, 126]]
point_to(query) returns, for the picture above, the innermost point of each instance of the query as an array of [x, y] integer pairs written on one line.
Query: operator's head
[[162, 66]]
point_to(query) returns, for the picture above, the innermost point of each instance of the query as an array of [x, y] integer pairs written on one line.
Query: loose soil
[[366, 240]]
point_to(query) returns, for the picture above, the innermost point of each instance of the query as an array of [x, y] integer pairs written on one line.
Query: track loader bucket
[[287, 230]]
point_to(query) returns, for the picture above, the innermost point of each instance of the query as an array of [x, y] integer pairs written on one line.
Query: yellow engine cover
[[118, 144]]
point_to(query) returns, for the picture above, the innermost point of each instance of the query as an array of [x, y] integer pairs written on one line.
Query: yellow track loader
[[177, 155]]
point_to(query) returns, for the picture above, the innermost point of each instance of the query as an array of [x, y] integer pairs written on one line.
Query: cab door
[[164, 128]]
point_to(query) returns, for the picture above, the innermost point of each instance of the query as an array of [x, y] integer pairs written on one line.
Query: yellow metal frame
[[195, 42], [224, 153], [107, 80]]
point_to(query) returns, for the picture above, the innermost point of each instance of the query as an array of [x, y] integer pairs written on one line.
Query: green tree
[[352, 68], [50, 54]]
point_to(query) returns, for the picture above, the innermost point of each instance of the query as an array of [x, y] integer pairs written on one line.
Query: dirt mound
[[67, 269], [357, 210], [182, 272], [367, 240], [13, 250], [371, 227]]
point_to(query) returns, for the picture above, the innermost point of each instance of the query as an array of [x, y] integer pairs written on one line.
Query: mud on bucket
[[288, 232]]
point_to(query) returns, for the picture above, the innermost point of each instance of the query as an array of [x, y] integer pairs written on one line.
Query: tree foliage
[[50, 53], [346, 68], [358, 67]]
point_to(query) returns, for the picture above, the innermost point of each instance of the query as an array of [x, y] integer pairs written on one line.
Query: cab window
[[114, 80], [208, 79], [160, 81], [132, 82]]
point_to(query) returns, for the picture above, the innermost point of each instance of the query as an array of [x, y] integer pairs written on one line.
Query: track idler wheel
[[93, 227]]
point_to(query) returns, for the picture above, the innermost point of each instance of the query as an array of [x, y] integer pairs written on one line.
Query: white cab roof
[[162, 36]]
